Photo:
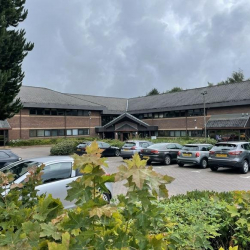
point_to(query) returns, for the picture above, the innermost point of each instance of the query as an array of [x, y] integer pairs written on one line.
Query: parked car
[[107, 149], [132, 147], [161, 152], [231, 155], [194, 154], [57, 174], [7, 157]]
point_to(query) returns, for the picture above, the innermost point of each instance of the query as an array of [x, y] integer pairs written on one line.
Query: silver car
[[231, 155], [57, 174], [194, 154], [132, 147]]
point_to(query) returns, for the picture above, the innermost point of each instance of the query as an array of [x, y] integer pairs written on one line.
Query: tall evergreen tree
[[13, 49]]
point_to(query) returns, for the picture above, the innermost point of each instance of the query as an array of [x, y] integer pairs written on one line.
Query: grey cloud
[[126, 48]]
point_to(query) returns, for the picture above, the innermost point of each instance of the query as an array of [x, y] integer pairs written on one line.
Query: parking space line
[[246, 177], [195, 171]]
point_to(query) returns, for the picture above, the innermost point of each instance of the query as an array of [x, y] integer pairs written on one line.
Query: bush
[[66, 147], [184, 140]]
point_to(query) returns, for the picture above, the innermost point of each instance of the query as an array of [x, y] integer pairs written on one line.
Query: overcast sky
[[125, 48]]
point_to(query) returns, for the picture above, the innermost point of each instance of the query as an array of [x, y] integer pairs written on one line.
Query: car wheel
[[117, 152], [214, 169], [245, 167], [106, 197], [180, 164], [203, 163], [149, 162], [167, 160]]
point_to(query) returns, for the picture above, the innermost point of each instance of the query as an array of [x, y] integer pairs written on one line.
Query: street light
[[204, 113]]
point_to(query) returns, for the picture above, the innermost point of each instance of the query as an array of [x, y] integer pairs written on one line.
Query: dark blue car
[[7, 157]]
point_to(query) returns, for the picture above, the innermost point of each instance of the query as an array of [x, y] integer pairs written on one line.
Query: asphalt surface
[[187, 178]]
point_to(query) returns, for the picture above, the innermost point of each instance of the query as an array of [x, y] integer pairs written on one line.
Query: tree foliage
[[237, 76], [13, 49], [175, 89], [154, 91]]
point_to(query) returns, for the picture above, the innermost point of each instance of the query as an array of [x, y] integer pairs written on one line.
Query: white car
[[57, 174]]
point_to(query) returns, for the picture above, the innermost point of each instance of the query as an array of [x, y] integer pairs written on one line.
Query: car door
[[173, 150], [108, 151], [247, 150], [56, 177]]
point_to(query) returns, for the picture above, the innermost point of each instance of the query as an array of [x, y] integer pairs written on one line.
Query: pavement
[[187, 178]]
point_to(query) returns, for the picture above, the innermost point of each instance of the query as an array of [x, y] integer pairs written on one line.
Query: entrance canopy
[[4, 125], [126, 123]]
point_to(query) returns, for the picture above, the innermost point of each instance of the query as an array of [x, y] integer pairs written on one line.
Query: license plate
[[189, 155], [125, 149], [78, 149], [221, 155], [145, 157]]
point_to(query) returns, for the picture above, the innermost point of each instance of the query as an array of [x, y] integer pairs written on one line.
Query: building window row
[[59, 112], [58, 132], [180, 133], [171, 114]]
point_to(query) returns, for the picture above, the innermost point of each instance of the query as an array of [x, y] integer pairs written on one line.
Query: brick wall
[[229, 110], [27, 122]]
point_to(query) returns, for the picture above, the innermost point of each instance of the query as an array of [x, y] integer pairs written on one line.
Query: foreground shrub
[[66, 147]]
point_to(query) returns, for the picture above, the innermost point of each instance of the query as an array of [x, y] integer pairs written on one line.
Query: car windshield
[[158, 146], [129, 144], [225, 146], [190, 148], [83, 145], [20, 168]]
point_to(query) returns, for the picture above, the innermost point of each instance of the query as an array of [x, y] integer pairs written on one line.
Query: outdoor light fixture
[[204, 113]]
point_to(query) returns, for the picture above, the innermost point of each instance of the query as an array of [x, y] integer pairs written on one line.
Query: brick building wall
[[23, 122]]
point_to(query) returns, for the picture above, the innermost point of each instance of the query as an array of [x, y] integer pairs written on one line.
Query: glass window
[[40, 111], [75, 131], [171, 133], [47, 111], [156, 115], [61, 132], [183, 133], [56, 172], [69, 132], [53, 111], [86, 112], [80, 112], [40, 132], [160, 115], [190, 112], [145, 115], [22, 168], [84, 131], [183, 113], [4, 155], [150, 115], [177, 133], [54, 132], [140, 116], [32, 133], [177, 145], [47, 133], [74, 112], [165, 114], [190, 148], [171, 114], [105, 145], [171, 146], [60, 112], [69, 112], [32, 111], [177, 113]]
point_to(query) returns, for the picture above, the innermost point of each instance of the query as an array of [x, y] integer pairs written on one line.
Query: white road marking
[[157, 167], [245, 177], [195, 171]]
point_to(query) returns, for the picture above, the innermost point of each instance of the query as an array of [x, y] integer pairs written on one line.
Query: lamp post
[[204, 113], [89, 113]]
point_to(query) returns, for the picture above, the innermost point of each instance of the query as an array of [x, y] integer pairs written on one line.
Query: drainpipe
[[20, 121]]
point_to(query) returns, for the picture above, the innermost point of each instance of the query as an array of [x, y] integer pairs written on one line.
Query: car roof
[[232, 142], [198, 144], [48, 159], [136, 141]]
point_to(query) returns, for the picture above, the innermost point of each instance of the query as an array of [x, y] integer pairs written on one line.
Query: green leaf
[[49, 230]]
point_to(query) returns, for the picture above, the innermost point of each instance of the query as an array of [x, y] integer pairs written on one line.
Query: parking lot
[[187, 178]]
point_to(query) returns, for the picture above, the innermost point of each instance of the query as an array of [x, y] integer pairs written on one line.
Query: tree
[[13, 49], [175, 89], [154, 91]]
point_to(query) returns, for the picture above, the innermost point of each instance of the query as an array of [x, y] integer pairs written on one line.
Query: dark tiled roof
[[215, 95], [4, 125], [111, 103], [228, 121], [43, 97]]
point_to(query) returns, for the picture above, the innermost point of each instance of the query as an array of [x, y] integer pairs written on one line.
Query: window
[[246, 146], [183, 133], [69, 112], [75, 131], [160, 115], [172, 133], [61, 132], [32, 111], [47, 111], [47, 133], [178, 146], [60, 112], [4, 155], [53, 112], [40, 111], [145, 115], [150, 115], [84, 131], [140, 116], [40, 133], [32, 133], [105, 145], [156, 115], [74, 112], [177, 133], [54, 132], [69, 132], [56, 172], [171, 146]]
